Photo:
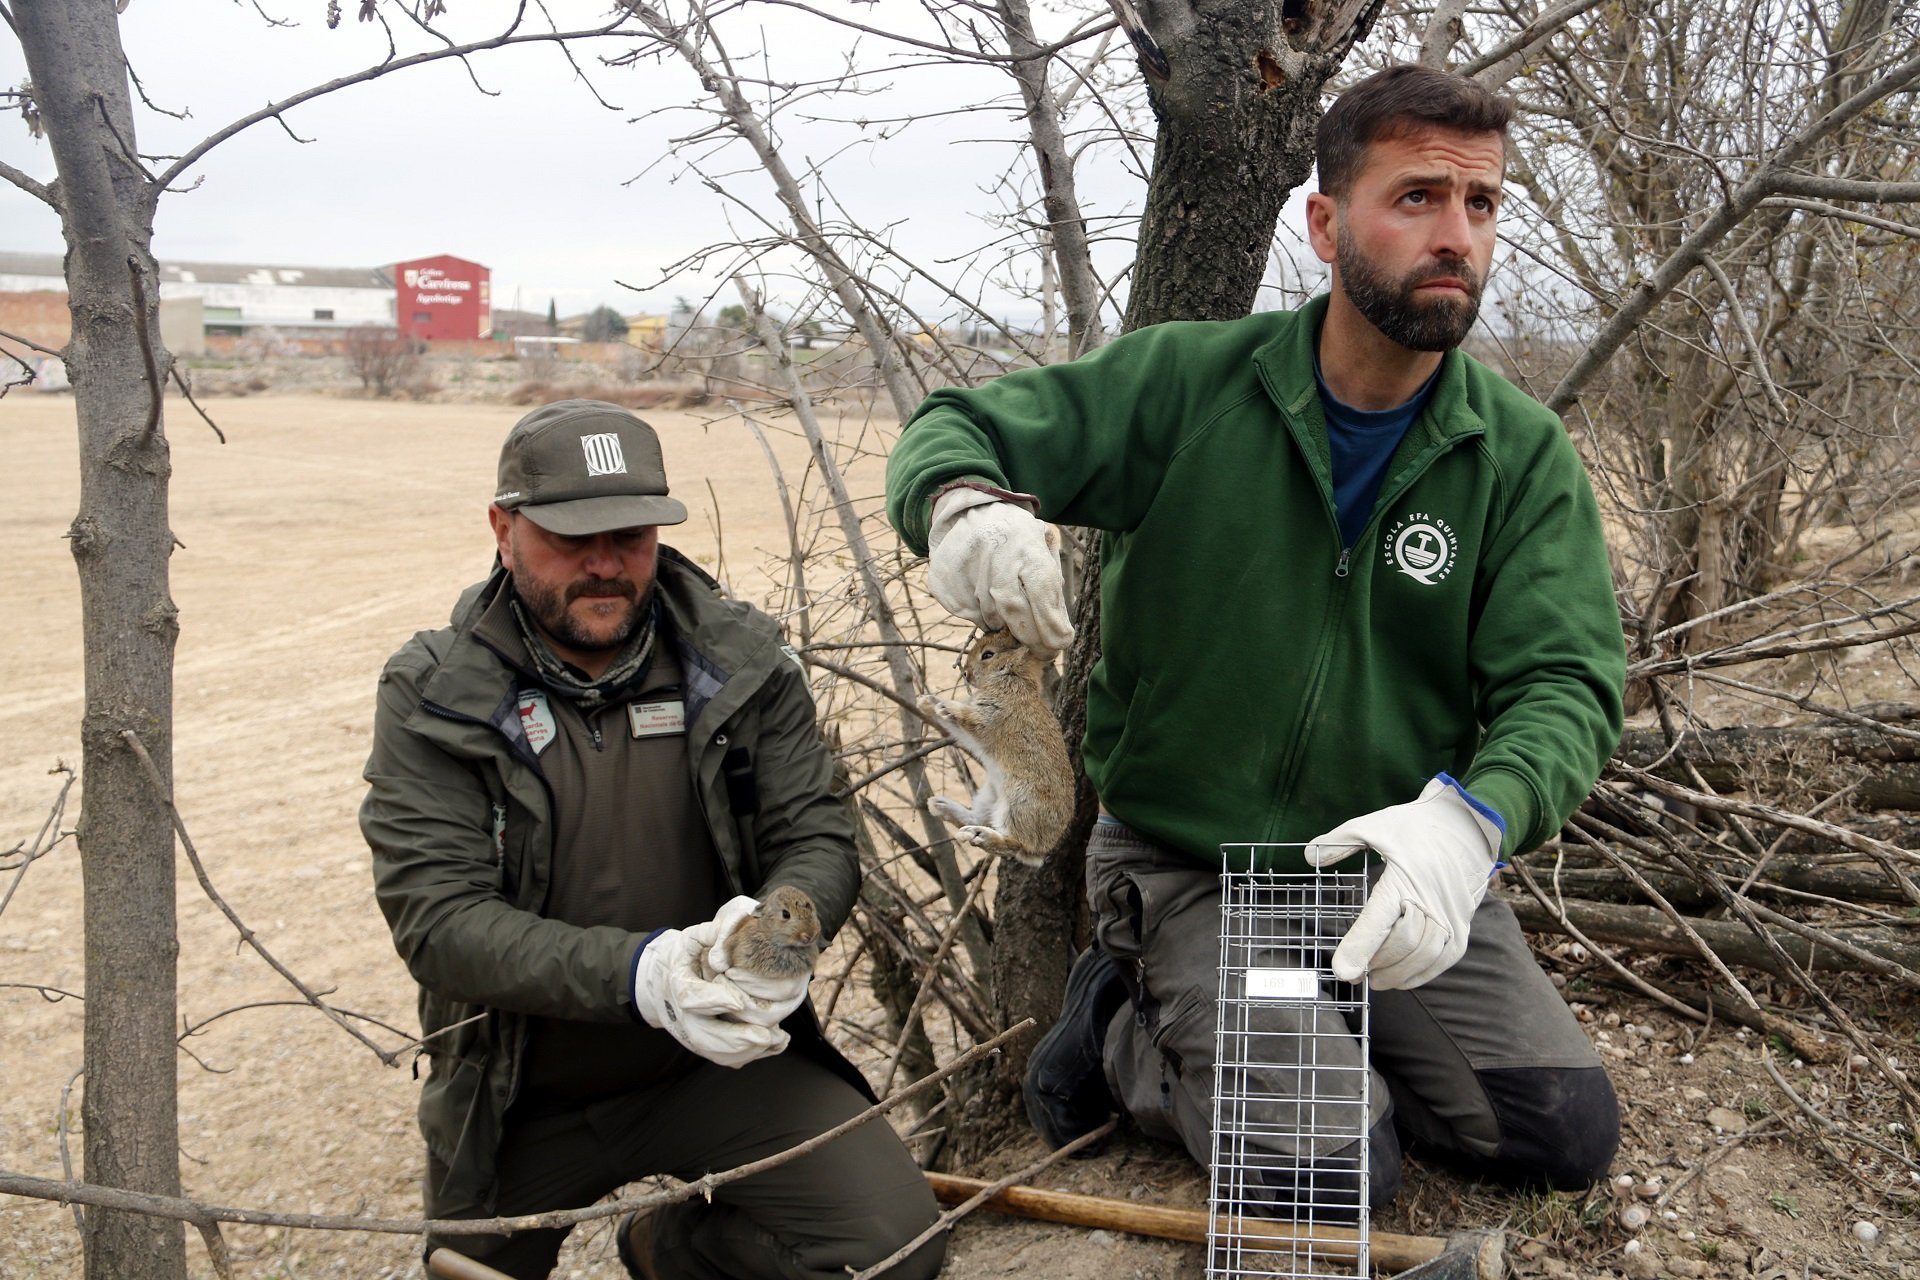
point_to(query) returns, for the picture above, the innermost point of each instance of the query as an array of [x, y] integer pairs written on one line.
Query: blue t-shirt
[[1362, 442]]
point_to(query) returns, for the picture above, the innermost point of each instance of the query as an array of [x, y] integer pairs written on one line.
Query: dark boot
[[1066, 1086]]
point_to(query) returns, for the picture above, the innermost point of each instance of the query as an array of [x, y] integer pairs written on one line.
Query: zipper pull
[[593, 727], [1340, 570]]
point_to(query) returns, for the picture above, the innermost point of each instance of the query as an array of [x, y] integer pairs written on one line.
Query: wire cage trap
[[1291, 1091]]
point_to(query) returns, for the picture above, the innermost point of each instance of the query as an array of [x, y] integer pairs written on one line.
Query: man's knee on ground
[[1558, 1125], [922, 1264], [888, 1221]]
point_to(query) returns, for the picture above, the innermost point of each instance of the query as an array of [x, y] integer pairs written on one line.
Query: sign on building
[[443, 299]]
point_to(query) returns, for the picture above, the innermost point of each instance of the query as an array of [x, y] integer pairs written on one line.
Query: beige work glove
[[995, 564], [1440, 850], [707, 1015]]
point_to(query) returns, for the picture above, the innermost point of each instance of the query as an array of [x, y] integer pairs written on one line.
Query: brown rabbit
[[1026, 802], [781, 939]]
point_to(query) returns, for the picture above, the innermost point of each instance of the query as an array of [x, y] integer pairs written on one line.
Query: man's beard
[[1418, 324], [548, 605]]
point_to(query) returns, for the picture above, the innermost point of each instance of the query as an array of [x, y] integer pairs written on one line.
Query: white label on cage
[[1283, 984]]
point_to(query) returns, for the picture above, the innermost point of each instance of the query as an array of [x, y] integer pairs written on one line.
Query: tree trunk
[[1237, 115], [1236, 121], [121, 543]]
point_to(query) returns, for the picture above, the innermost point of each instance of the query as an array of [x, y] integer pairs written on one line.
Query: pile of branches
[[1752, 853]]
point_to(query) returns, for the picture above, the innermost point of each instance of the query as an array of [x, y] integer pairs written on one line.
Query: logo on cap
[[603, 455]]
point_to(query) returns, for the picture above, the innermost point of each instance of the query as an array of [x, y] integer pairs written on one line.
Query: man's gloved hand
[[1439, 851], [705, 1015], [769, 998], [995, 564]]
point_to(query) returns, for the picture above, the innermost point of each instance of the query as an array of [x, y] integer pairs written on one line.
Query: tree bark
[[121, 543], [1236, 121]]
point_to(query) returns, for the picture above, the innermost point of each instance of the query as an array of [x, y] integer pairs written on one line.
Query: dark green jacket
[[1259, 681], [460, 823]]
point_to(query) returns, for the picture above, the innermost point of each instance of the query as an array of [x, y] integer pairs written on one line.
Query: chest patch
[[536, 718], [1422, 546], [657, 719]]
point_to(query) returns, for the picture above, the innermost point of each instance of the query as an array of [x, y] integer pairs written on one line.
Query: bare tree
[[383, 359], [106, 195], [1735, 320]]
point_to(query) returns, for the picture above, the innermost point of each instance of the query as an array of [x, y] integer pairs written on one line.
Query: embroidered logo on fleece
[[1422, 546]]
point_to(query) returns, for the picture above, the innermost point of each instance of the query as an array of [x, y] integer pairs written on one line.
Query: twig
[[41, 846], [137, 275], [29, 343], [132, 740], [1593, 948], [187, 391], [1831, 1126], [1765, 1129], [946, 1220], [61, 1130], [796, 557], [952, 931], [182, 1209]]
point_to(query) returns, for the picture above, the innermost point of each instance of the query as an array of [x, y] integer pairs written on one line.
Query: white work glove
[[703, 1014], [995, 564], [1439, 851], [769, 999]]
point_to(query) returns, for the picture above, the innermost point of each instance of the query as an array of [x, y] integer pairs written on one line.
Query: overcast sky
[[540, 183]]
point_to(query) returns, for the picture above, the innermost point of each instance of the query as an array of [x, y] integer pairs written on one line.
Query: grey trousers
[[1485, 1061], [844, 1207]]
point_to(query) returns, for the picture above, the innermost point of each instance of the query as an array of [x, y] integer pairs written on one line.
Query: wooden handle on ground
[[448, 1265], [1390, 1251]]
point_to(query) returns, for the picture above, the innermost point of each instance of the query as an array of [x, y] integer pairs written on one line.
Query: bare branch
[[185, 1210], [38, 190], [275, 110], [247, 935]]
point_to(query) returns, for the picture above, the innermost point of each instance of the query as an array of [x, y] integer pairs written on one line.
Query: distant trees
[[383, 359], [603, 324]]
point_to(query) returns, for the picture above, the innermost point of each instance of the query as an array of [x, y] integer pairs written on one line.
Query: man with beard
[[573, 789], [1354, 598]]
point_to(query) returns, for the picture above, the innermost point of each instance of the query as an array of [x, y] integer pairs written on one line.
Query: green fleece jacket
[[1258, 681], [461, 826]]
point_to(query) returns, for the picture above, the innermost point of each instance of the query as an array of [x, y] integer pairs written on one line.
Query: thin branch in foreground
[[187, 391], [185, 1210], [45, 840], [247, 936], [30, 343], [946, 1220]]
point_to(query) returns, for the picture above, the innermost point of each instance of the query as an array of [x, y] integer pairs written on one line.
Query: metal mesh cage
[[1291, 1093]]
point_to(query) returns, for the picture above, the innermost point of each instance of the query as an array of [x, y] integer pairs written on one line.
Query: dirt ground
[[315, 541]]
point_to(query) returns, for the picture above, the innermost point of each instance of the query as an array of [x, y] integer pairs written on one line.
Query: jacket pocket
[[1184, 1033], [1122, 760], [447, 1104]]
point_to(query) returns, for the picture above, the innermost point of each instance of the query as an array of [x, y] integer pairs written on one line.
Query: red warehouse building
[[443, 298]]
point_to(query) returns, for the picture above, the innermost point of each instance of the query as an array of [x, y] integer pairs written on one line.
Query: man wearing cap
[[574, 789]]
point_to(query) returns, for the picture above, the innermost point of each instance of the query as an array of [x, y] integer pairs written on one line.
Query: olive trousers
[[847, 1205], [1485, 1061]]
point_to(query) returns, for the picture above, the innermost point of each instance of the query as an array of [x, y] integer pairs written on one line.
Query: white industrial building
[[236, 298]]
